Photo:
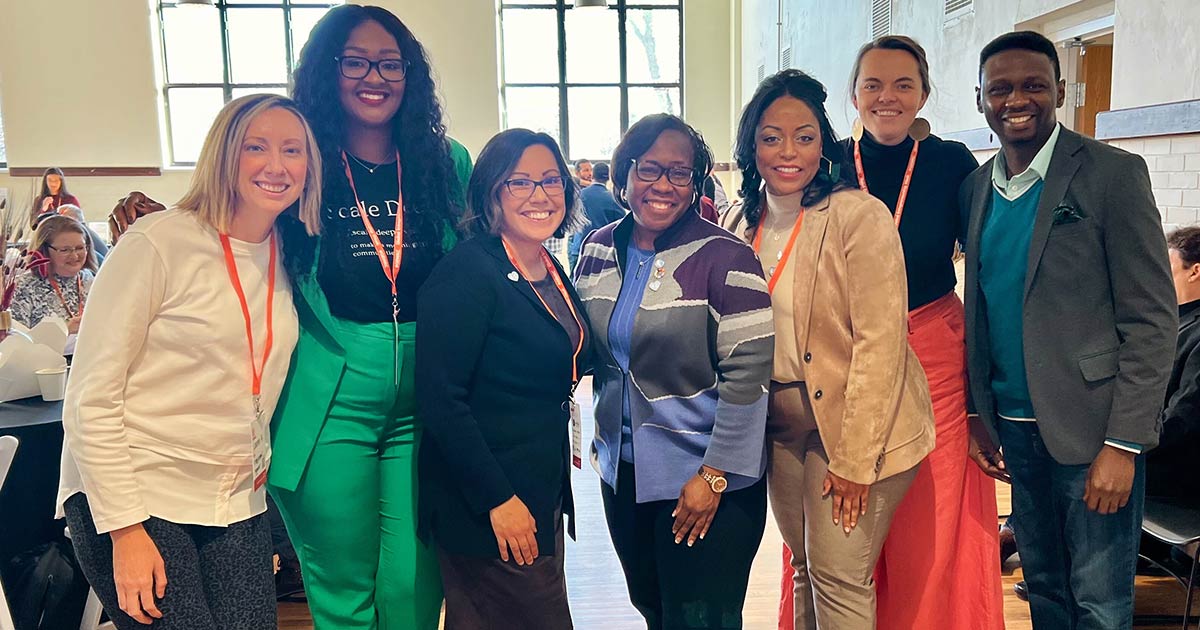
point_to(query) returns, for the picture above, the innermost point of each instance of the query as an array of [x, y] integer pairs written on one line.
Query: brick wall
[[1174, 163]]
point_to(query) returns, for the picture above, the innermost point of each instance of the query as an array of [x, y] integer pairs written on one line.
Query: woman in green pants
[[343, 436]]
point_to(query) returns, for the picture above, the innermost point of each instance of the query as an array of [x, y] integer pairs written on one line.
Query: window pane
[[192, 45], [192, 112], [256, 46], [545, 2], [244, 91], [594, 121], [3, 151], [532, 108], [653, 40], [530, 45], [303, 21], [593, 47], [665, 3], [644, 101]]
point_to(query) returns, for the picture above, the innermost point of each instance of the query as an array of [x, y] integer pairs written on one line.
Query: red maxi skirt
[[940, 566]]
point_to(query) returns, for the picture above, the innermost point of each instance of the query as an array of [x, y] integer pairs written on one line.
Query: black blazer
[[493, 374], [1172, 468]]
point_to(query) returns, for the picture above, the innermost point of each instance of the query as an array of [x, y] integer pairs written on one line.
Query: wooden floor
[[599, 601]]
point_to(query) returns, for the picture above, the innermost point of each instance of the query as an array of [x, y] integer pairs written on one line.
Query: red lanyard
[[79, 293], [787, 252], [862, 177], [392, 269], [562, 289], [256, 373]]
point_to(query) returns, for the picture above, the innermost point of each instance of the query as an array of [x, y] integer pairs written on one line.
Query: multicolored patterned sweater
[[700, 358]]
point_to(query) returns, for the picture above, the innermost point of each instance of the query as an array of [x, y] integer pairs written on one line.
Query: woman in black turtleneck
[[938, 567]]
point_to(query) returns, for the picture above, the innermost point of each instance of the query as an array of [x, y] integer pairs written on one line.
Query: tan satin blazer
[[867, 389]]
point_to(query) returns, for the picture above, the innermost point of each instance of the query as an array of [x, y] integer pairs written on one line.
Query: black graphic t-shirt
[[349, 271]]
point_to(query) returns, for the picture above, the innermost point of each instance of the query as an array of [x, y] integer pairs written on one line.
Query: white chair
[[8, 449]]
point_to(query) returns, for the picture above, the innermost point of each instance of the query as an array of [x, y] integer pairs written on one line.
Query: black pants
[[491, 594], [676, 587], [218, 578]]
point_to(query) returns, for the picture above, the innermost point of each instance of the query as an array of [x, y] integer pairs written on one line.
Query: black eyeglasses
[[651, 172], [391, 70], [522, 188]]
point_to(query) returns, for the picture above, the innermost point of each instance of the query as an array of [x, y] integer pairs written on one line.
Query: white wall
[[86, 94], [1155, 57], [1156, 52]]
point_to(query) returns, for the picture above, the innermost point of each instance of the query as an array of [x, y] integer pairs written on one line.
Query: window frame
[[560, 7], [227, 85]]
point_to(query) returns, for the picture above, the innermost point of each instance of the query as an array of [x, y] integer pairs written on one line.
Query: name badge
[[576, 435], [260, 447]]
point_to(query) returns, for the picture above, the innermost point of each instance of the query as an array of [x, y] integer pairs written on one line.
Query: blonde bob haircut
[[212, 194]]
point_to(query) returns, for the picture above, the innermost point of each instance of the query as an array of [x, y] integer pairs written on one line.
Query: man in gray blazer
[[1071, 326]]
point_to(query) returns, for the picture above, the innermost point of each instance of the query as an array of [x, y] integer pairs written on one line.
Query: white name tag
[[576, 435], [260, 448]]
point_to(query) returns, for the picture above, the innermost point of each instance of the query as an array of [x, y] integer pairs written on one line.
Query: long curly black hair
[[797, 84], [432, 192]]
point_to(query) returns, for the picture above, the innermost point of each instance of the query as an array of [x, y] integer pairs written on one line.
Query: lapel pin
[[654, 286], [512, 275]]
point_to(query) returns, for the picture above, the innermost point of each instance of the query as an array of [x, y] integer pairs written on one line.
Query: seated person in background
[[1171, 468], [52, 195], [99, 246], [60, 284]]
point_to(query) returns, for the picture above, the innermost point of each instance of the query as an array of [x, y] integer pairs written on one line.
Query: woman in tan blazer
[[850, 417]]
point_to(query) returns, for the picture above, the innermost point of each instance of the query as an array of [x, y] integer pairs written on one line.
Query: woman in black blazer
[[501, 344]]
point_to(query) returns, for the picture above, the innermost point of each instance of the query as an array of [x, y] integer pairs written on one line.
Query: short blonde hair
[[212, 194]]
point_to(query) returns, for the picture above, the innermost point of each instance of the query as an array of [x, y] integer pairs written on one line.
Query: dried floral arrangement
[[14, 229]]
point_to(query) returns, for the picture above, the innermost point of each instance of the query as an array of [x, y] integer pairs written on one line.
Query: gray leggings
[[218, 578]]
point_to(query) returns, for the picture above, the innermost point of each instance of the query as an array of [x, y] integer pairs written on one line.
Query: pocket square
[[1066, 214]]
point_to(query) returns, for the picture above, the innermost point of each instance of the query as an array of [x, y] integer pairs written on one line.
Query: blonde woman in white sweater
[[183, 350]]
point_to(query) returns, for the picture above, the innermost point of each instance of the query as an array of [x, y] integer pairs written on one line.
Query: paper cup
[[53, 383]]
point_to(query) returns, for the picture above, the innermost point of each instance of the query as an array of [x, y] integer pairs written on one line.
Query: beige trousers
[[833, 570]]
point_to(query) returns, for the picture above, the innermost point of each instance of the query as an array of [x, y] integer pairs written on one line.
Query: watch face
[[719, 484]]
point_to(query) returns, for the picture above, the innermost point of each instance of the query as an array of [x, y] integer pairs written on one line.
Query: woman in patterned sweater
[[60, 286], [684, 336]]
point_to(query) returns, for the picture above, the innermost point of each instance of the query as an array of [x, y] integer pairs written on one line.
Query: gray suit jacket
[[1099, 316]]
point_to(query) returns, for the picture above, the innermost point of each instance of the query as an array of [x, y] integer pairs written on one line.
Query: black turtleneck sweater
[[931, 222]]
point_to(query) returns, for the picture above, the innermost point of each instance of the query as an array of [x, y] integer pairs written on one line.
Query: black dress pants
[[676, 587]]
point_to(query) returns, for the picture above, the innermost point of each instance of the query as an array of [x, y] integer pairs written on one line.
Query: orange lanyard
[[787, 252], [908, 172], [256, 373], [392, 269], [562, 289], [79, 290]]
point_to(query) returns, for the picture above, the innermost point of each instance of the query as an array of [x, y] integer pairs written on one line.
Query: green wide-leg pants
[[352, 517]]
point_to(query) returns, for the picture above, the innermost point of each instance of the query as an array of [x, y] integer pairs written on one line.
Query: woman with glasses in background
[[344, 435], [684, 339], [59, 281], [502, 342]]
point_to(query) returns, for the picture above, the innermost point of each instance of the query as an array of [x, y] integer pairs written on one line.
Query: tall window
[[214, 55], [584, 75]]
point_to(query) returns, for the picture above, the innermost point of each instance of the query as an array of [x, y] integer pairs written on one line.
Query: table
[[29, 493]]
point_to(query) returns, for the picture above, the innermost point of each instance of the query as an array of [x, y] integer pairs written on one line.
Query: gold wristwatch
[[717, 483]]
